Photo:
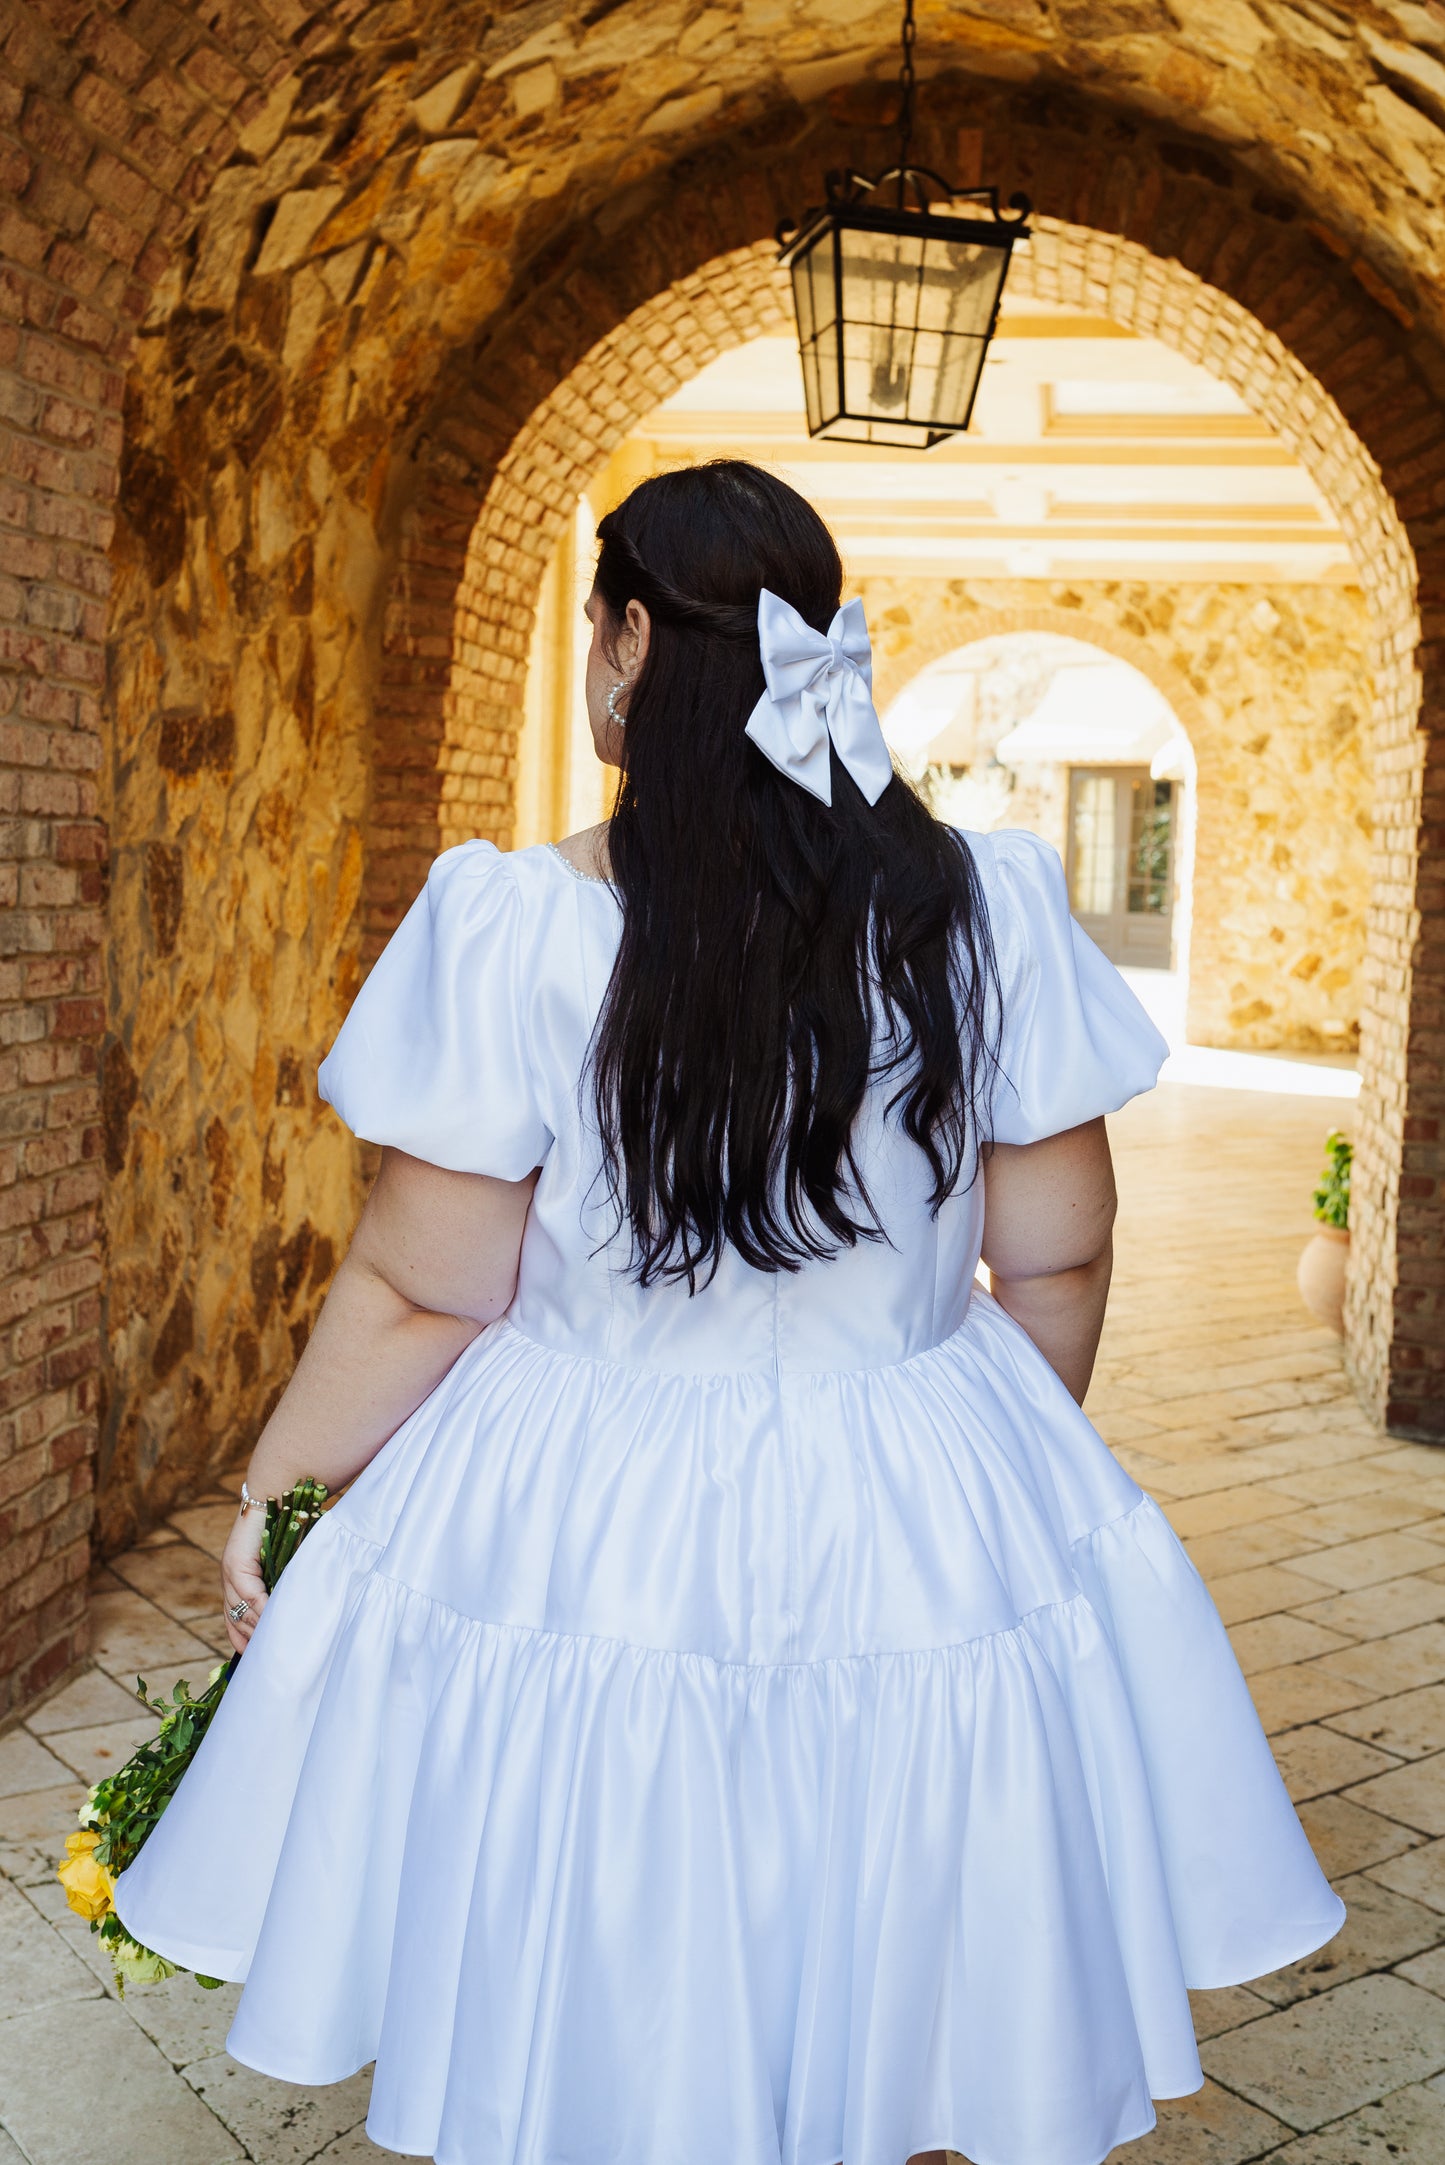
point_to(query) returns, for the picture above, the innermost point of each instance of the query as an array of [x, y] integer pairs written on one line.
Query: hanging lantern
[[896, 301]]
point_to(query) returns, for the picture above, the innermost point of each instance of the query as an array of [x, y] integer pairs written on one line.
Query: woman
[[739, 1713]]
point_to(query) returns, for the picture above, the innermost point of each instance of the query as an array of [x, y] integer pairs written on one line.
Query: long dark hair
[[776, 952]]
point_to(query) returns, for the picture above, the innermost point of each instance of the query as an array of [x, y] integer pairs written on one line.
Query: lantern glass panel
[[825, 314], [808, 355], [824, 283], [917, 308], [960, 289], [802, 274], [830, 398], [945, 371], [879, 308], [904, 435], [815, 300], [807, 342]]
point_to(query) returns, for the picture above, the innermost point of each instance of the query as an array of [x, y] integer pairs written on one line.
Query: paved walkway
[[1324, 1544]]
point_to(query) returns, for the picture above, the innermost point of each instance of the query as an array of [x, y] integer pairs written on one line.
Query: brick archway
[[562, 443], [523, 492], [169, 172]]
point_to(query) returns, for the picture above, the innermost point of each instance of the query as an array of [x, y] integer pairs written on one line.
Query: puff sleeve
[[433, 1057], [1074, 1042]]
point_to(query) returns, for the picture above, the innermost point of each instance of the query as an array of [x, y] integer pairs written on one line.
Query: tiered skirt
[[646, 1769]]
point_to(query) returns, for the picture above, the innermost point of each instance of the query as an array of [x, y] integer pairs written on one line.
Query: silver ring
[[238, 1612]]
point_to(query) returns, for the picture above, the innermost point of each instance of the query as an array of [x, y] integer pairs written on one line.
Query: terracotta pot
[[1321, 1276]]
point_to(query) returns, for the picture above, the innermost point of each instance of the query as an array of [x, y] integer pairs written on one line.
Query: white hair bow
[[820, 686]]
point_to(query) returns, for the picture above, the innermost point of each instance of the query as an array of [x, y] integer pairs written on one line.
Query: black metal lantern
[[896, 303]]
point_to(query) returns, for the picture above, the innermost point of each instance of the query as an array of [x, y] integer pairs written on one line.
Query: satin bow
[[820, 686]]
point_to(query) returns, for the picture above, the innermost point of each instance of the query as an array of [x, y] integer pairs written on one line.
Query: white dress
[[766, 1728]]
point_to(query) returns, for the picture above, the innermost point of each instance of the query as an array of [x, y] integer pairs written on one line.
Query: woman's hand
[[241, 1577]]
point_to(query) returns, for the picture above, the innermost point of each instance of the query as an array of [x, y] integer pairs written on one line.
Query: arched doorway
[[1042, 730]]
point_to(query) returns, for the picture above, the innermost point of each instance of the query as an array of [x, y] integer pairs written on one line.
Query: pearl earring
[[612, 698]]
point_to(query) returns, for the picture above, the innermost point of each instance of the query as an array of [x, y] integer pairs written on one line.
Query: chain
[[907, 84]]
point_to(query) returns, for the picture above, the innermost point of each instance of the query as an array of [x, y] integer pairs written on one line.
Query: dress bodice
[[467, 1047]]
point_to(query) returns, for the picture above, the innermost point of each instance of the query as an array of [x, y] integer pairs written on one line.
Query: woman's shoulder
[[586, 852], [1016, 850], [1022, 877], [531, 875], [478, 896]]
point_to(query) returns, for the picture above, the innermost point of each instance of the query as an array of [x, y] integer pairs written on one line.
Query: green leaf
[[1332, 1196]]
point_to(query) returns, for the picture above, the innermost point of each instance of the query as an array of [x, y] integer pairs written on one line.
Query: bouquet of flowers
[[118, 1815]]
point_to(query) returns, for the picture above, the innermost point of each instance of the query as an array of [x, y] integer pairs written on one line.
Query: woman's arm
[[433, 1259], [1048, 1223]]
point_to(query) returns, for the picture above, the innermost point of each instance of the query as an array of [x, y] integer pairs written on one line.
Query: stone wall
[[243, 624], [1273, 687]]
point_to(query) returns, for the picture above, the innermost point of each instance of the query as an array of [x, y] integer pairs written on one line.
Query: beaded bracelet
[[253, 1503]]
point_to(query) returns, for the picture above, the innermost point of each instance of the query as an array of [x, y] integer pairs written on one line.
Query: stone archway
[[306, 212], [592, 407], [899, 657], [537, 478]]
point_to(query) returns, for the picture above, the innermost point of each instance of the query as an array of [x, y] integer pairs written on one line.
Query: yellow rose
[[88, 1886]]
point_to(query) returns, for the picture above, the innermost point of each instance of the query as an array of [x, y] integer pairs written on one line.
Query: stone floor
[[1324, 1544]]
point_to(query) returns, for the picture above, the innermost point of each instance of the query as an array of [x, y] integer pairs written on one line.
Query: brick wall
[[108, 133]]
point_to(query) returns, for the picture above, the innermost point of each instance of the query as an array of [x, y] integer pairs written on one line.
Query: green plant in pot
[[1325, 1261]]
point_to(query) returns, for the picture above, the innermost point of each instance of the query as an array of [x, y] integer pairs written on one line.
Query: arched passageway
[[570, 432], [347, 311]]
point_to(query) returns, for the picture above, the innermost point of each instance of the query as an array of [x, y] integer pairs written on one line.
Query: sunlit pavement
[[1309, 1075], [1324, 1545], [1323, 1541]]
